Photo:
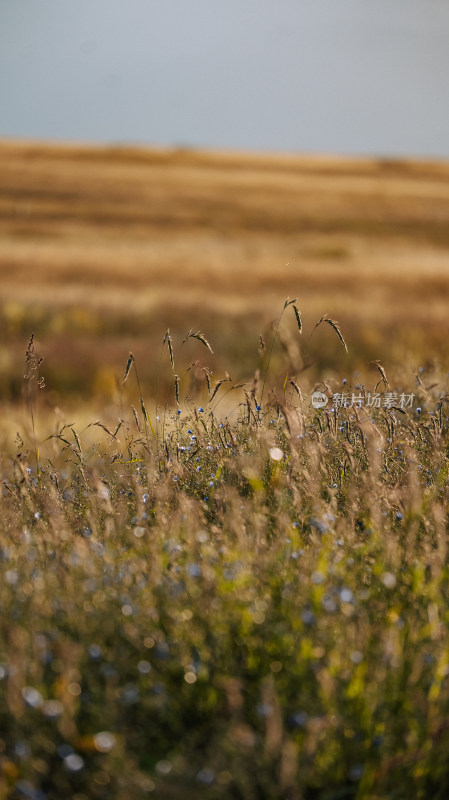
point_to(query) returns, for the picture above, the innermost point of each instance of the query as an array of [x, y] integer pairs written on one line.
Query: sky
[[361, 77]]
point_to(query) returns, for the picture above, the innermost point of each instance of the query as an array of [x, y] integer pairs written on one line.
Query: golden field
[[238, 606], [103, 249]]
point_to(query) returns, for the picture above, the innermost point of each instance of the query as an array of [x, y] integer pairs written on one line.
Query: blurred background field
[[103, 249]]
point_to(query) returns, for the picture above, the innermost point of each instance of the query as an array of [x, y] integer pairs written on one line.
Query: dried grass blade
[[99, 424], [201, 338], [288, 303], [128, 366], [207, 375], [337, 330], [146, 417], [118, 428], [136, 419], [77, 439], [298, 318], [217, 386], [334, 324], [382, 372], [296, 387], [168, 339]]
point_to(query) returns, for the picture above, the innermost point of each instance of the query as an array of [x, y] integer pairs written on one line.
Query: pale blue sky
[[333, 76]]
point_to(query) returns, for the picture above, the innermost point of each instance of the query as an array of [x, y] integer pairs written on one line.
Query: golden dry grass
[[244, 606], [103, 249]]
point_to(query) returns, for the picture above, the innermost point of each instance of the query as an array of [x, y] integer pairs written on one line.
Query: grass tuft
[[245, 604]]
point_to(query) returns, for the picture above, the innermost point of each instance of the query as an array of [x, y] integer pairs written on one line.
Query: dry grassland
[[102, 249], [243, 606]]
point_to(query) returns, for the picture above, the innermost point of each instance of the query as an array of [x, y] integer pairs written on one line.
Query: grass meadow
[[210, 587]]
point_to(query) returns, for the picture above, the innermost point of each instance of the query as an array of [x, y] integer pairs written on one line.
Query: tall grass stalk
[[286, 304]]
